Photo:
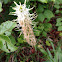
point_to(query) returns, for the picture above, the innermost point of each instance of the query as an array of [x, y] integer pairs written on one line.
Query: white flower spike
[[24, 18]]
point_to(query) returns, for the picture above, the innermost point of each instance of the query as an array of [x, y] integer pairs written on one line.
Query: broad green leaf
[[59, 19], [57, 11], [0, 6], [43, 1], [59, 22], [48, 14], [57, 6], [0, 9], [40, 8], [60, 28], [47, 27], [6, 45], [12, 39], [7, 27], [41, 17]]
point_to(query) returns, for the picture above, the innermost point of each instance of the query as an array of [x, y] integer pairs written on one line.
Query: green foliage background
[[46, 10]]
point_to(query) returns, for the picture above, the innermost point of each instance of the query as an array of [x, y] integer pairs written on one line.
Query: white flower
[[22, 12], [24, 18]]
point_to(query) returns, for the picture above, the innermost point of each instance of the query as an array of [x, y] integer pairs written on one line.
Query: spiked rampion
[[24, 18]]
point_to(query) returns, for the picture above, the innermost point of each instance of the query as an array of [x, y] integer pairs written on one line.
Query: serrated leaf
[[48, 14], [6, 45], [7, 27]]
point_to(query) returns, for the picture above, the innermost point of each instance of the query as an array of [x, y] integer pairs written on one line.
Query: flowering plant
[[24, 18]]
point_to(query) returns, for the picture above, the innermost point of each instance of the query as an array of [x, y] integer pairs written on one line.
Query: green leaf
[[48, 14], [53, 0], [57, 11], [43, 51], [50, 55], [58, 2], [0, 9], [40, 8], [43, 1], [40, 27], [47, 43], [60, 34], [7, 27], [6, 45], [33, 0], [37, 32], [60, 28], [59, 22], [6, 1], [12, 39], [44, 33], [60, 57], [57, 6], [21, 39], [59, 19], [47, 20], [52, 45], [41, 17], [0, 6], [47, 27]]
